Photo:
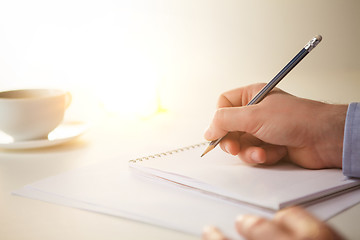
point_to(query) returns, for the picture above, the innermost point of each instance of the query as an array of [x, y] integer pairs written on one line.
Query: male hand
[[282, 126]]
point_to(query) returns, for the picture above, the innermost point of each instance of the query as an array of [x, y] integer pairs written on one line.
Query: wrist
[[332, 135]]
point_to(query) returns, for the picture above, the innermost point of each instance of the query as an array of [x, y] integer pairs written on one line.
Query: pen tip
[[208, 149]]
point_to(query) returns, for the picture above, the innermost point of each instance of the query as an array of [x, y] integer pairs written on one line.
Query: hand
[[281, 126], [288, 224]]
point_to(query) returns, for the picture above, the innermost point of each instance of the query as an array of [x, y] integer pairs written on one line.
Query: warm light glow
[[105, 50], [134, 91]]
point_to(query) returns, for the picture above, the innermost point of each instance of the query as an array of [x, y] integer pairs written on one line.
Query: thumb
[[234, 119]]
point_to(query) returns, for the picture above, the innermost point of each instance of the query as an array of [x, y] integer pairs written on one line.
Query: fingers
[[252, 150], [229, 117], [212, 233], [254, 227], [288, 224], [234, 119], [233, 114], [267, 154], [291, 223], [230, 143], [303, 225]]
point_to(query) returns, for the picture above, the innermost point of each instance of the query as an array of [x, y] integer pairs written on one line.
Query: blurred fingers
[[212, 233], [303, 225], [254, 227]]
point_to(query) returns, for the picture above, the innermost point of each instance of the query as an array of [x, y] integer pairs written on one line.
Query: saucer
[[63, 133]]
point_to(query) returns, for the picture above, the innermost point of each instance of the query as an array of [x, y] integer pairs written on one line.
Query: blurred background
[[163, 63], [143, 56]]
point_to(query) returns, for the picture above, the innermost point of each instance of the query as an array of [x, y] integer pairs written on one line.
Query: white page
[[109, 189], [219, 173]]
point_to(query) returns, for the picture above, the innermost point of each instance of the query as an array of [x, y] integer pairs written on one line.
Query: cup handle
[[68, 99]]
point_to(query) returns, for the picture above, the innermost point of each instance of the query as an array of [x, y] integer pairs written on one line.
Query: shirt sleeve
[[351, 146]]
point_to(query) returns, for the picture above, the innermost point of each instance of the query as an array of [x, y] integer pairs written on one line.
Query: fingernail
[[212, 233], [227, 149], [254, 156]]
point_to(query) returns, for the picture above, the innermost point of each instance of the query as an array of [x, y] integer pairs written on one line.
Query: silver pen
[[268, 87]]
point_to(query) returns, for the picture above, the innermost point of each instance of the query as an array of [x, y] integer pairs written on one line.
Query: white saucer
[[63, 133]]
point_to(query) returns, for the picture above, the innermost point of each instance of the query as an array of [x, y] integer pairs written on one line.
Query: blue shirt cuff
[[351, 145]]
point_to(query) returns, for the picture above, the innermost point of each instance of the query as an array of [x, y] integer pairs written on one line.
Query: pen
[[268, 87]]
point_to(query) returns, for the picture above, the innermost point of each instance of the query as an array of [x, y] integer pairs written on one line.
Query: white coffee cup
[[31, 114]]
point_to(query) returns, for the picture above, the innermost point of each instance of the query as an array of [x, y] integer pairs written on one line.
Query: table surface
[[110, 137]]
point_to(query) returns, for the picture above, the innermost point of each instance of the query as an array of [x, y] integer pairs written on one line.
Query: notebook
[[225, 176]]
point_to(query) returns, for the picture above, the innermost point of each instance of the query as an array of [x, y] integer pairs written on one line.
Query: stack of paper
[[110, 189]]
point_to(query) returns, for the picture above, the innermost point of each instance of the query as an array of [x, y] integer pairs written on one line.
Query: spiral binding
[[158, 155]]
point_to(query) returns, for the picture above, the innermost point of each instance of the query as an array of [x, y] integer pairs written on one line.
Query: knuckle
[[223, 100], [252, 112]]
